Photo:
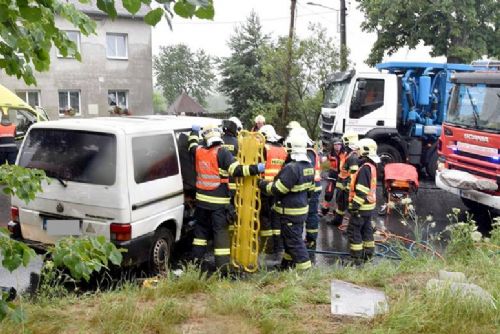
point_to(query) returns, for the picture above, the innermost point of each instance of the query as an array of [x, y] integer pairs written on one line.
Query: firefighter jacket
[[316, 162], [275, 159], [214, 165], [333, 159], [348, 165], [363, 192], [231, 144], [8, 138], [291, 188]]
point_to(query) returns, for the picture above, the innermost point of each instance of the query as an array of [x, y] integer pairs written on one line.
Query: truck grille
[[476, 156], [327, 122]]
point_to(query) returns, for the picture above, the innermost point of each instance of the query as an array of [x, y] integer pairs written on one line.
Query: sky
[[212, 36]]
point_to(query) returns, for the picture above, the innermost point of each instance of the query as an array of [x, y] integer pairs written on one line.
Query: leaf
[[116, 258], [107, 6], [184, 9], [154, 16], [206, 13], [30, 13], [132, 6]]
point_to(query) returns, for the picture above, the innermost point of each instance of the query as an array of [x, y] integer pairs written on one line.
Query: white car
[[123, 178]]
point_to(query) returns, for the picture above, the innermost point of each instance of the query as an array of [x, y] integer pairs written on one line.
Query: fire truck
[[469, 145]]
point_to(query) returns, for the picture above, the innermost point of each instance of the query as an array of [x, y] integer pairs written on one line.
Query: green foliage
[[159, 103], [463, 235], [84, 256], [178, 69], [461, 31], [242, 71], [24, 183], [28, 29]]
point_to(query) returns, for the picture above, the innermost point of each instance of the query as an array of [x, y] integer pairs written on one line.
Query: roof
[[401, 65], [90, 8], [184, 104], [486, 77], [9, 99], [128, 124]]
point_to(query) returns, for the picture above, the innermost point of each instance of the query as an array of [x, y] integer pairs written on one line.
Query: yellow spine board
[[245, 241]]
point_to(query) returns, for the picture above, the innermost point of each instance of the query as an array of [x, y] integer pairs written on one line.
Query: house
[[186, 105], [116, 69]]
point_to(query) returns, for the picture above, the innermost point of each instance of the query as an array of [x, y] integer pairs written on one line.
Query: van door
[[155, 181]]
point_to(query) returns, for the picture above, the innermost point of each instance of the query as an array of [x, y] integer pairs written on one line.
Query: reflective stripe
[[221, 251], [212, 199], [232, 167], [266, 233], [369, 244], [312, 230], [232, 186], [291, 211], [356, 247], [367, 206], [246, 170], [340, 212], [362, 188], [193, 137], [269, 187], [301, 187], [354, 168], [199, 242], [339, 185], [281, 187], [230, 227], [192, 145], [304, 265], [358, 200], [276, 232], [287, 257], [223, 172], [318, 188]]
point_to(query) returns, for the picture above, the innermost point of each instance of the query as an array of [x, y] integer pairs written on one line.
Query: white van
[[117, 177]]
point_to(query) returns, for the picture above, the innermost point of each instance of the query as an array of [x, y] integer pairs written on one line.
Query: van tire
[[161, 251]]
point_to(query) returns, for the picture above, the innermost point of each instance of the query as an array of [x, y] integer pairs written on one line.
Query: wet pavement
[[429, 200]]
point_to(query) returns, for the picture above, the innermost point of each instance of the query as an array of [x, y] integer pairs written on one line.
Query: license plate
[[62, 226]]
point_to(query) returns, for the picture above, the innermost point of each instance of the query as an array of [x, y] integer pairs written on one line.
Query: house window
[[32, 97], [74, 36], [69, 102], [117, 98], [116, 46]]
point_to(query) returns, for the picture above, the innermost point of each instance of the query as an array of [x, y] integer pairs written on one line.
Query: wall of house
[[96, 74]]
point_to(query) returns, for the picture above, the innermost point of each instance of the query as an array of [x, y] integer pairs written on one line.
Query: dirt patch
[[216, 324], [319, 318], [411, 280]]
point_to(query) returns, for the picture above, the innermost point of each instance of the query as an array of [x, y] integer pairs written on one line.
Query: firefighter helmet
[[350, 139], [236, 121], [296, 143], [212, 134], [293, 125], [270, 133], [368, 148], [300, 131]]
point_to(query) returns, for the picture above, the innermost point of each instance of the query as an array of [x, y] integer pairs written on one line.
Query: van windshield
[[70, 155]]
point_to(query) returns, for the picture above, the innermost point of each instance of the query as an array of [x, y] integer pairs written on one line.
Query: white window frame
[[68, 91], [115, 92], [78, 41], [26, 99], [109, 34]]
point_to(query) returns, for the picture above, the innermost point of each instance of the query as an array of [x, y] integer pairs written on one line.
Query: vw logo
[[59, 207]]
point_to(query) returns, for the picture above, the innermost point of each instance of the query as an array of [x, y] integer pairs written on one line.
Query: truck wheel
[[161, 250], [432, 165], [388, 154]]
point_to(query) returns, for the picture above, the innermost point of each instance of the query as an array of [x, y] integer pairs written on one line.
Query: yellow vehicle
[[19, 112]]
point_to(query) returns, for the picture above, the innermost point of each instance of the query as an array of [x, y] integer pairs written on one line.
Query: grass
[[276, 302]]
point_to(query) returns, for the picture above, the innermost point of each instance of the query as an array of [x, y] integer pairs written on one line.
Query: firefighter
[[270, 230], [348, 165], [333, 173], [8, 148], [362, 202], [214, 164], [291, 187], [260, 121]]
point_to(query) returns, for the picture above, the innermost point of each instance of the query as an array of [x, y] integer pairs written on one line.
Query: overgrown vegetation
[[286, 302]]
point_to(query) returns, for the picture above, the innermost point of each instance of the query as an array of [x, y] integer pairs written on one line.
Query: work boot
[[383, 210]]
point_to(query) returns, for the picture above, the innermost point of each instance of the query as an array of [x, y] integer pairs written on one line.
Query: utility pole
[[343, 42], [288, 69]]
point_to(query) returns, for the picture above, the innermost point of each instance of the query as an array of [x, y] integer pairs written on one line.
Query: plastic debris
[[353, 300]]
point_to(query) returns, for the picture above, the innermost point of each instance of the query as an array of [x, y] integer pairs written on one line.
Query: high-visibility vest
[[371, 196], [275, 159], [7, 135], [334, 162], [343, 157], [207, 169], [317, 166]]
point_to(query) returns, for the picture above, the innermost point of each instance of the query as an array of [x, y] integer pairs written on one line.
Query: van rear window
[[154, 157], [71, 155]]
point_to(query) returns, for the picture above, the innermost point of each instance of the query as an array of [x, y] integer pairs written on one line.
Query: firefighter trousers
[[270, 228], [342, 202], [295, 248], [212, 223], [312, 220], [360, 234]]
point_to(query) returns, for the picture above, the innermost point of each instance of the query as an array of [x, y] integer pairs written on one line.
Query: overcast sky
[[212, 36]]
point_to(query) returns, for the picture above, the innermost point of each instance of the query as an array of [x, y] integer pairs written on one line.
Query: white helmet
[[236, 121], [293, 125], [350, 140], [300, 131], [368, 148], [212, 134], [296, 144], [270, 133]]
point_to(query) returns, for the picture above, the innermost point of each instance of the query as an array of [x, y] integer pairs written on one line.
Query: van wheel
[[161, 250]]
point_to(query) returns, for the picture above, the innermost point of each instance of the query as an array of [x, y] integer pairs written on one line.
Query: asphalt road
[[429, 200]]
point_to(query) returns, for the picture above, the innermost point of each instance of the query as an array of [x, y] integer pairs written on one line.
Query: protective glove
[[195, 127], [261, 167]]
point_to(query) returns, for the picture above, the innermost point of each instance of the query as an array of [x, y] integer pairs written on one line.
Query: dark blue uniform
[[290, 188]]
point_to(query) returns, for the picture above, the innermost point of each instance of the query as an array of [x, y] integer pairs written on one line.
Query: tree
[[241, 72], [313, 59], [28, 29], [159, 103], [460, 30], [178, 69]]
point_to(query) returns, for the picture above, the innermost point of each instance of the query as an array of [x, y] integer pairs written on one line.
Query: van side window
[[367, 98], [154, 157]]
